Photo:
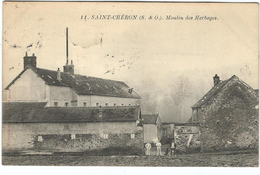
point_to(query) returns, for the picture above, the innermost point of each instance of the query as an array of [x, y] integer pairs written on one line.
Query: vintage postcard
[[130, 84]]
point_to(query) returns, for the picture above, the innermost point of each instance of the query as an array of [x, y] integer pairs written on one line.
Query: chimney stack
[[67, 47], [29, 60], [68, 68], [216, 79], [58, 75]]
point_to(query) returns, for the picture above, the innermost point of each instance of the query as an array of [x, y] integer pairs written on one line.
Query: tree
[[181, 92]]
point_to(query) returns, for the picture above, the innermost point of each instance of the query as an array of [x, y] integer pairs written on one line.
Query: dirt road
[[198, 160]]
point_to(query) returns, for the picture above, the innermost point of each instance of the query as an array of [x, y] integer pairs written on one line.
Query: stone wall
[[71, 137], [187, 138], [230, 120], [86, 142]]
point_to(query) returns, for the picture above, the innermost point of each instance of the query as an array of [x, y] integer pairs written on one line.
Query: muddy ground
[[188, 160]]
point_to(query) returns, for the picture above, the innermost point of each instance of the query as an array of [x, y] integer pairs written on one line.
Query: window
[[73, 136], [114, 104], [66, 104], [132, 136], [40, 139], [85, 104], [105, 136], [129, 104], [97, 104], [56, 104], [122, 104], [106, 104]]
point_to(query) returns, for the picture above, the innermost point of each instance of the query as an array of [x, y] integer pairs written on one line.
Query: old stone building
[[227, 116], [31, 126], [152, 126], [66, 112], [67, 89]]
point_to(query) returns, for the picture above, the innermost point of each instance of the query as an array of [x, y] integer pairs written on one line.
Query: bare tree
[[180, 93]]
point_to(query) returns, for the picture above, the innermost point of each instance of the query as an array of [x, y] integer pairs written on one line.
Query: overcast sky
[[149, 55]]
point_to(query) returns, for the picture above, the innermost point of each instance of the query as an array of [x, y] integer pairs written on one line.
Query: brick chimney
[[216, 79], [69, 68], [58, 75], [29, 60]]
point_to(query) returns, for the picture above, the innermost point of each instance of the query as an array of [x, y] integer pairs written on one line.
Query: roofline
[[187, 124], [30, 67], [93, 107], [213, 94], [139, 97], [76, 121], [84, 75], [18, 76], [228, 80], [110, 95], [27, 67], [169, 123]]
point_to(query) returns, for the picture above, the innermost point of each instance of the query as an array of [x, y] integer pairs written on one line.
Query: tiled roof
[[35, 112], [83, 85], [212, 92], [150, 118], [257, 91]]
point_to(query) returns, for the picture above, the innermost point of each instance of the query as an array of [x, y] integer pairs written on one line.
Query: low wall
[[74, 137]]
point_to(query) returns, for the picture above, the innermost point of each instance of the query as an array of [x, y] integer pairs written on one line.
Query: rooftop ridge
[[203, 100], [79, 75]]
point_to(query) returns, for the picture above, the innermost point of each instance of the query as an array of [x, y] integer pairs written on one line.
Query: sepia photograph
[[130, 84]]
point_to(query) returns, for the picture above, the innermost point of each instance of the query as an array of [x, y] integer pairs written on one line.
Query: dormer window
[[85, 104], [114, 104], [130, 90], [66, 104], [97, 104], [106, 104]]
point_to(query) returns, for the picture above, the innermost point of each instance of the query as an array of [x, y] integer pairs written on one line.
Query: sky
[[150, 55]]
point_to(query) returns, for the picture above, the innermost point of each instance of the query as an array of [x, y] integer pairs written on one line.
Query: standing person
[[148, 147], [172, 147], [159, 149]]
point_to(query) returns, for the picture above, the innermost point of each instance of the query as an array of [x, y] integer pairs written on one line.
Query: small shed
[[152, 125]]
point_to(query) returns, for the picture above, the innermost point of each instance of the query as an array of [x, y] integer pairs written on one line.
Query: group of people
[[158, 145]]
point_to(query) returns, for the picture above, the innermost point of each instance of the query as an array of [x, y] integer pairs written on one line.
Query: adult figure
[[148, 147], [173, 146], [159, 148]]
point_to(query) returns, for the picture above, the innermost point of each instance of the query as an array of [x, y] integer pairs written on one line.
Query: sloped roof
[[83, 85], [36, 112], [150, 118], [212, 92], [257, 91]]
